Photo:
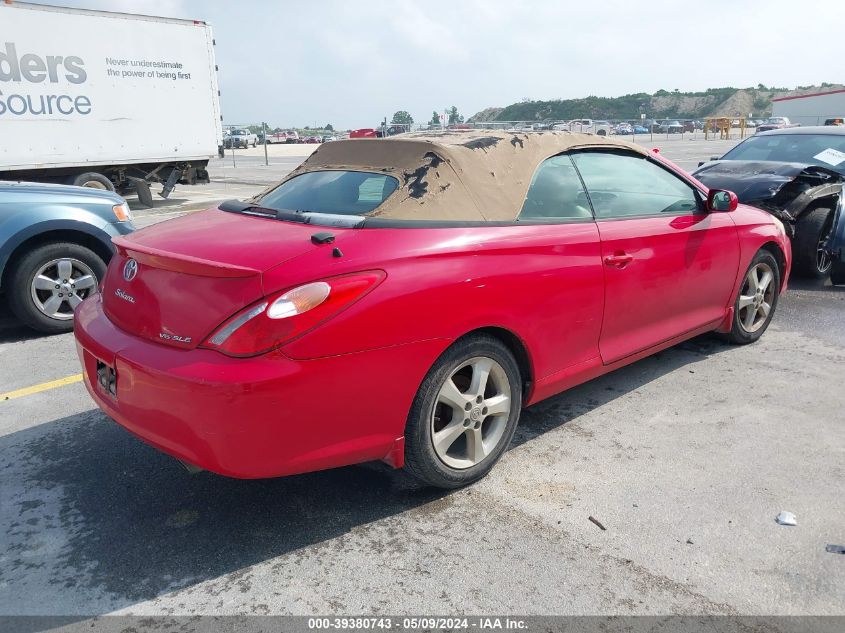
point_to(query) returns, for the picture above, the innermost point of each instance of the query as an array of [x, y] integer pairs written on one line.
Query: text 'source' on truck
[[114, 101]]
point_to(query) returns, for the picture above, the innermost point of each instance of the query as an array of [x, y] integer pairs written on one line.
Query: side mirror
[[720, 200]]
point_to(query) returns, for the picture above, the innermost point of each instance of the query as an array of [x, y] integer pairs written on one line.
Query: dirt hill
[[660, 105]]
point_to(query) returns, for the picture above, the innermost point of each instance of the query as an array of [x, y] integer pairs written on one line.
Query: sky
[[351, 63]]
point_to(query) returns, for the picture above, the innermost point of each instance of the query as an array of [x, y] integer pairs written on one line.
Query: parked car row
[[658, 126], [601, 128], [292, 136], [243, 138]]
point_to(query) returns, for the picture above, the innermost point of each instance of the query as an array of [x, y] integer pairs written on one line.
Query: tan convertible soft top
[[454, 175]]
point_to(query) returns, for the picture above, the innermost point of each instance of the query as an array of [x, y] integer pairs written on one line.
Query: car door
[[669, 265], [566, 315]]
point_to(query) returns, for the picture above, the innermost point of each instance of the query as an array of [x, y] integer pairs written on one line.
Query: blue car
[[639, 129], [55, 243]]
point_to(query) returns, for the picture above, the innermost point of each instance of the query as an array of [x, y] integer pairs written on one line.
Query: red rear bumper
[[254, 417]]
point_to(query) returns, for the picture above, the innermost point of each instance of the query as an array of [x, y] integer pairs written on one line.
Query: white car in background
[[240, 137], [588, 126]]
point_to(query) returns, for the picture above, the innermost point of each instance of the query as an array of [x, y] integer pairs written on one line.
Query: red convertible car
[[404, 300]]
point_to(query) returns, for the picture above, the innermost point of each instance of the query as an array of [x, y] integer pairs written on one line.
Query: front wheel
[[464, 414], [757, 299], [812, 259], [49, 282]]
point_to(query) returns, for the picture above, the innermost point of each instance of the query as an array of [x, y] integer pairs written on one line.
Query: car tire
[[475, 439], [752, 299], [811, 231], [837, 273], [93, 180], [22, 277]]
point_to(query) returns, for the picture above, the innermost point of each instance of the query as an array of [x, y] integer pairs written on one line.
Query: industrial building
[[811, 109]]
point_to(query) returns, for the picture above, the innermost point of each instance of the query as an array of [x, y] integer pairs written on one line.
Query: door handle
[[618, 260]]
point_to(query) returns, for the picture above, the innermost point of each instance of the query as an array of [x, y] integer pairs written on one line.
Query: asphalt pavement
[[685, 457]]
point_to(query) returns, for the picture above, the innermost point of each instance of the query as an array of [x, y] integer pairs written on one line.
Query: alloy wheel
[[756, 297], [60, 285], [471, 413], [823, 259]]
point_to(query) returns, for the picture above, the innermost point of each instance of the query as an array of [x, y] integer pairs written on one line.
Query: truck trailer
[[106, 100]]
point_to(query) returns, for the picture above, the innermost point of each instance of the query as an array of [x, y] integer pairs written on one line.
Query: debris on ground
[[597, 522], [689, 541], [786, 518], [835, 549]]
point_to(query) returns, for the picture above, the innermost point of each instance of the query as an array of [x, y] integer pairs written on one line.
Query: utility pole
[[264, 136]]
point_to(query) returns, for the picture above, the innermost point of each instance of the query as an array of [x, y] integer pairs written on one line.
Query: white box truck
[[107, 100]]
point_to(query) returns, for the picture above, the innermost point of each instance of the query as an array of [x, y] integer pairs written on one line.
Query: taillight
[[279, 319]]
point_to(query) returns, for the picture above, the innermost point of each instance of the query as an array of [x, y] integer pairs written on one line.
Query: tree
[[435, 118], [454, 115], [328, 127], [403, 118]]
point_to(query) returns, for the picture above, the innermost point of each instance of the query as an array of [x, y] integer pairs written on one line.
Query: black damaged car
[[797, 175]]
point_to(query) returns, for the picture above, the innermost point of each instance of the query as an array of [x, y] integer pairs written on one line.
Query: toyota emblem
[[130, 269]]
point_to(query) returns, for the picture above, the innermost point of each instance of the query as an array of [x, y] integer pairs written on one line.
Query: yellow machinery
[[723, 126]]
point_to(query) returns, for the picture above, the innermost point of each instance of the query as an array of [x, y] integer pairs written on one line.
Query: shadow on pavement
[[802, 283], [12, 330], [94, 517]]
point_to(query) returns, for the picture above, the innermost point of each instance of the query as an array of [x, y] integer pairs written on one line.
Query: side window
[[623, 185], [555, 192]]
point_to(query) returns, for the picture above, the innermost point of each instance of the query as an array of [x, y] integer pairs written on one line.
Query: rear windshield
[[336, 192], [827, 150]]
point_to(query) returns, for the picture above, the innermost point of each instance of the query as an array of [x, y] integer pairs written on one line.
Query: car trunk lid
[[175, 282]]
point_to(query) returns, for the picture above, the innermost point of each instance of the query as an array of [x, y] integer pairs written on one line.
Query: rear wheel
[[812, 230], [464, 414], [757, 299], [49, 282], [93, 180]]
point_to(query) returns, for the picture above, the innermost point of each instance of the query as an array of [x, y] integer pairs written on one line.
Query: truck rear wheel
[[93, 180]]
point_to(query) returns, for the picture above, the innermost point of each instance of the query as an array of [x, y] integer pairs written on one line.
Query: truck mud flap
[[171, 181], [145, 196]]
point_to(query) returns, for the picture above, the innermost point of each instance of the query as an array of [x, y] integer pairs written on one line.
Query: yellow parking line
[[44, 386]]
